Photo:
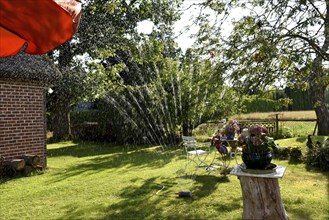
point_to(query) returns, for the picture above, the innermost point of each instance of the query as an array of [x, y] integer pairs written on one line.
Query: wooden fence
[[271, 124]]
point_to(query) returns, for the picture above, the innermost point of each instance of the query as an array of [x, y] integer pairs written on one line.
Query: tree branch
[[316, 9], [320, 51]]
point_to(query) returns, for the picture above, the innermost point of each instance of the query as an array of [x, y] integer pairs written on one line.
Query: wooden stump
[[32, 160], [27, 170], [9, 171], [17, 164], [261, 198]]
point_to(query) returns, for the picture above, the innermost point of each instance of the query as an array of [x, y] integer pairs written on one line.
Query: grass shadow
[[294, 161], [139, 200], [208, 184], [301, 139], [84, 149], [148, 199], [105, 158]]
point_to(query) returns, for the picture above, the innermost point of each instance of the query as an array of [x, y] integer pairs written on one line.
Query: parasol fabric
[[40, 24]]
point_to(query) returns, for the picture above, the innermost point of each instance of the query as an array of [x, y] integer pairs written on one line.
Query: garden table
[[261, 194]]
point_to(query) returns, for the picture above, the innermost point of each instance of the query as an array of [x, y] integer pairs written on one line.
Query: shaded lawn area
[[99, 181]]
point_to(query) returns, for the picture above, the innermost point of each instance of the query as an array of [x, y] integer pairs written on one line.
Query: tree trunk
[[317, 95], [60, 119], [317, 85], [61, 96], [187, 131], [322, 114], [261, 198]]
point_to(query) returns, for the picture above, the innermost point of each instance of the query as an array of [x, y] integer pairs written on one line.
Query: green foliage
[[294, 153], [174, 98], [300, 99], [105, 52], [84, 116], [318, 157], [255, 104], [206, 129], [284, 152], [92, 131], [203, 93], [91, 126], [274, 46], [283, 133]]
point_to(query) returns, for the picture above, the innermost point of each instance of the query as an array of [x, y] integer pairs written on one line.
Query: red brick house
[[23, 80]]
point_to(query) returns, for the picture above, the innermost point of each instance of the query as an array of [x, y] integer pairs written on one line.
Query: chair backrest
[[187, 138], [189, 141]]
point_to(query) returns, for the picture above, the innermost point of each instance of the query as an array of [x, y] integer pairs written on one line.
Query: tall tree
[[107, 29], [276, 42], [202, 91]]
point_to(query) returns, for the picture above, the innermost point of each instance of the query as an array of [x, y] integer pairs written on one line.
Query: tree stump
[[17, 164], [32, 160], [9, 171], [261, 198], [261, 194], [27, 170]]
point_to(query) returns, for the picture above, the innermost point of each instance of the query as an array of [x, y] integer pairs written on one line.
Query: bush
[[259, 104], [283, 152], [206, 129], [92, 131], [290, 152], [91, 125], [283, 134], [85, 116], [318, 157], [296, 153]]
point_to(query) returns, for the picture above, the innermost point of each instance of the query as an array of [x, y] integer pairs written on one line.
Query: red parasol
[[41, 24]]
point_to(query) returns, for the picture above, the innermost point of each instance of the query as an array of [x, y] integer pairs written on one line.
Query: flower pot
[[256, 160]]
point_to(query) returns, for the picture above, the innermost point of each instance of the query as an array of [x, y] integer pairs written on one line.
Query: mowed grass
[[284, 115], [88, 180]]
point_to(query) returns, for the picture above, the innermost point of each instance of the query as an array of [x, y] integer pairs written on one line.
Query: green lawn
[[100, 181]]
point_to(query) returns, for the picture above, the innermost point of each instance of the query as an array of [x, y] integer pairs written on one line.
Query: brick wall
[[22, 119]]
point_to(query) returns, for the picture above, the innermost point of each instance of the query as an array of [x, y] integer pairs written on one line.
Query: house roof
[[29, 67]]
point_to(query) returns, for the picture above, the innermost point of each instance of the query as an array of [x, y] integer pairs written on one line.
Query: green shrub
[[206, 129], [85, 116], [92, 131], [295, 153], [318, 157], [255, 104], [284, 152], [90, 125], [283, 133]]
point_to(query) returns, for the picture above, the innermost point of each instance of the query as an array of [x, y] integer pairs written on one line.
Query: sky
[[184, 40]]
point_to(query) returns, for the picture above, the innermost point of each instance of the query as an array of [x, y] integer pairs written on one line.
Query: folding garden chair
[[196, 155]]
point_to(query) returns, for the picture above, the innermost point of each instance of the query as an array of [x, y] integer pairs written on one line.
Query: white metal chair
[[196, 155]]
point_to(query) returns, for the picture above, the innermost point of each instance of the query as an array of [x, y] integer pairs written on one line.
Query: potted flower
[[256, 147], [229, 129]]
